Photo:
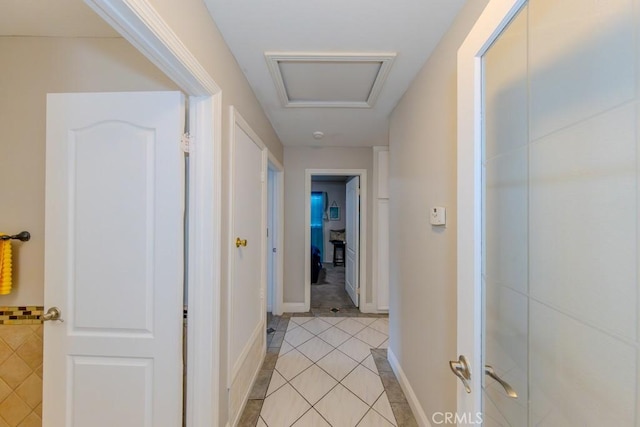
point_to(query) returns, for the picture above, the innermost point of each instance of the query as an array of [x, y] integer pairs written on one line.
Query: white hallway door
[[247, 309], [352, 258], [114, 260]]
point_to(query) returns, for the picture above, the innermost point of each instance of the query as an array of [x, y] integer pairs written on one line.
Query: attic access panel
[[337, 80]]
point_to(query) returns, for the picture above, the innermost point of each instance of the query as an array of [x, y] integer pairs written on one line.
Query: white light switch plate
[[438, 216]]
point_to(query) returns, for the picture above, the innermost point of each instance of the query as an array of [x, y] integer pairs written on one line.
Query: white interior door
[[247, 308], [352, 247], [114, 260]]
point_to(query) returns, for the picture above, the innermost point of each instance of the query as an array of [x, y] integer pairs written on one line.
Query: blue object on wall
[[317, 220]]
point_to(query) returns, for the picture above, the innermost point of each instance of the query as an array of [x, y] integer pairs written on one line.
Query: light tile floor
[[327, 371]]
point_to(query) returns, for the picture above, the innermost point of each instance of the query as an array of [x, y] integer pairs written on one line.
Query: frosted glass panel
[[505, 90], [579, 375], [560, 216], [505, 231], [581, 60], [506, 350], [506, 208], [583, 221]]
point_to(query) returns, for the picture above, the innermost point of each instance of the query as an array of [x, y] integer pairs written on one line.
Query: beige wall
[[31, 68], [422, 173], [192, 23], [296, 161]]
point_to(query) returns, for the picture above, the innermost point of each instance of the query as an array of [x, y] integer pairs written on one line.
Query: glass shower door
[[560, 216], [505, 228]]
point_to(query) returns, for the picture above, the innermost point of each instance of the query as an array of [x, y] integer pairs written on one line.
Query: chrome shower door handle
[[488, 370], [461, 370]]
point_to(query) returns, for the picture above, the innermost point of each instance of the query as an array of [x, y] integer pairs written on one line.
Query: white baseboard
[[418, 412], [294, 307], [371, 309], [245, 398], [234, 368], [299, 307]]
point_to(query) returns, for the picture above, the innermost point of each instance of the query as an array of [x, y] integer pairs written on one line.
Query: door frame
[[139, 23], [494, 19], [352, 201], [277, 228], [362, 173]]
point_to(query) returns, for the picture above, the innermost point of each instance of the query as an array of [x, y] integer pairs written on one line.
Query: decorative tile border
[[21, 315]]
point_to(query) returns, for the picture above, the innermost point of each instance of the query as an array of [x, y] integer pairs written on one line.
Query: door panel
[[114, 259], [127, 381], [247, 309], [352, 247], [101, 153]]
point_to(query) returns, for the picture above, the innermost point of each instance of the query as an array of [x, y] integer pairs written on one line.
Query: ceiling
[[340, 66], [406, 30]]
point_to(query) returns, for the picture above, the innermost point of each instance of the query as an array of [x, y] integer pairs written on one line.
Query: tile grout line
[[340, 382], [286, 329]]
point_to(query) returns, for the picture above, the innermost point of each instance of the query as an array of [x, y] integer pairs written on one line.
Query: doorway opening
[[152, 39], [328, 242], [335, 229], [275, 235]]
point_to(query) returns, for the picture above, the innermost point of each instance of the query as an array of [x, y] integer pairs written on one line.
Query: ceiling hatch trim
[[329, 80]]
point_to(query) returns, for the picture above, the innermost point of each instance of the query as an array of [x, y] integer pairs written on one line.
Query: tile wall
[[20, 367]]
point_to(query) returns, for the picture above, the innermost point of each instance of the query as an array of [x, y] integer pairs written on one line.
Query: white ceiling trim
[[274, 59]]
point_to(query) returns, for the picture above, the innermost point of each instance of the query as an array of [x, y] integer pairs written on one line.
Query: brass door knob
[[241, 242]]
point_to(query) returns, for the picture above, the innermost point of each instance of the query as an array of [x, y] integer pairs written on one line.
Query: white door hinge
[[186, 142], [358, 291]]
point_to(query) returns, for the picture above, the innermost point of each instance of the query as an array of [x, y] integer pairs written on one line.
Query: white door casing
[[276, 234], [380, 244], [247, 295], [114, 259], [271, 256], [491, 23], [142, 26], [352, 247], [309, 173]]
